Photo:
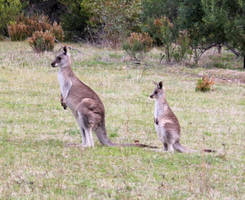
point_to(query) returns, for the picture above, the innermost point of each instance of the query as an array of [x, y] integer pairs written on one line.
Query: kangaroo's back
[[80, 91]]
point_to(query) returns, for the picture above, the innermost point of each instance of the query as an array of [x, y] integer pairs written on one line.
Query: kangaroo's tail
[[182, 149], [102, 136], [104, 140], [209, 150]]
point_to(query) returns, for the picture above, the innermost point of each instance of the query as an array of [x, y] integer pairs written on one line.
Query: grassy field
[[36, 161]]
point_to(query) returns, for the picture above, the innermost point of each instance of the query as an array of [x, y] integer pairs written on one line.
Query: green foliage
[[190, 19], [113, 20], [8, 11], [235, 27], [152, 9], [182, 49], [215, 18], [42, 41], [75, 20], [137, 44], [213, 23], [166, 33]]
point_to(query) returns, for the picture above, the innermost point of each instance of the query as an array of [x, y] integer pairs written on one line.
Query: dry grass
[[36, 163]]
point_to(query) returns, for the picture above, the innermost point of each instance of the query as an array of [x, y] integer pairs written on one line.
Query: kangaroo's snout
[[53, 64], [151, 96]]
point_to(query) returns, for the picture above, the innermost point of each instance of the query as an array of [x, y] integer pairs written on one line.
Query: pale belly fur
[[161, 133], [65, 85]]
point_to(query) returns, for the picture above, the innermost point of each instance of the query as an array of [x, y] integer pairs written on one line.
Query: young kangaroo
[[84, 103], [166, 123]]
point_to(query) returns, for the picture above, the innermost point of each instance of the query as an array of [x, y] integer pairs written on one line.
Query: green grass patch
[[40, 156]]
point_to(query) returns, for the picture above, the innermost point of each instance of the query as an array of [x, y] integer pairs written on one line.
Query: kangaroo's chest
[[158, 119], [159, 110], [65, 85]]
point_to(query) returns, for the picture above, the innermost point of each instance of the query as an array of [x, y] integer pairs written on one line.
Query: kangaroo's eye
[[155, 92], [59, 58]]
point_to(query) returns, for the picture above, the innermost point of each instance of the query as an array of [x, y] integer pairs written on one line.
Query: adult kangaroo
[[84, 103]]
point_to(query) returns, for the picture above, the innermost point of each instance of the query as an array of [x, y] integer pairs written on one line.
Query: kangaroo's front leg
[[63, 104]]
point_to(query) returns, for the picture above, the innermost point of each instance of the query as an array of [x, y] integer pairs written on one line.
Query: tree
[[75, 20], [235, 28], [51, 8], [156, 9], [9, 9], [213, 23], [115, 18]]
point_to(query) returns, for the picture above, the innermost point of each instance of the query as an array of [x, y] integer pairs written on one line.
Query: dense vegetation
[[205, 23]]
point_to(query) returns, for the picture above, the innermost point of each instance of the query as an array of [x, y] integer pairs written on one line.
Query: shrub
[[8, 12], [18, 32], [113, 19], [182, 49], [24, 27], [42, 41], [167, 35], [57, 32], [204, 84], [138, 44]]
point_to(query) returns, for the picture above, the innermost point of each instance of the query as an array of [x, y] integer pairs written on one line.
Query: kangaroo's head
[[62, 60], [158, 91]]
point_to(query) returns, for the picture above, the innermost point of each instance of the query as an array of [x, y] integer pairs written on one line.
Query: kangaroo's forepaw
[[64, 105]]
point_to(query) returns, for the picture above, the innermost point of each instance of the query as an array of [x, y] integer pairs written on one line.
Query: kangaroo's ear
[[160, 85], [65, 49], [155, 83]]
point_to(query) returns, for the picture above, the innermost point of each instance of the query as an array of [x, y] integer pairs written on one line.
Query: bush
[[24, 27], [42, 41], [57, 32], [204, 84], [113, 20], [8, 12], [18, 32], [182, 49], [74, 21], [138, 44], [167, 34]]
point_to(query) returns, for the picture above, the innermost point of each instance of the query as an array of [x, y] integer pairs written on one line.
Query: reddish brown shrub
[[58, 32], [204, 84], [18, 32], [137, 43], [26, 26], [42, 41]]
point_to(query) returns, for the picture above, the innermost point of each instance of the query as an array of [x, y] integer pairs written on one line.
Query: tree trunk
[[219, 49]]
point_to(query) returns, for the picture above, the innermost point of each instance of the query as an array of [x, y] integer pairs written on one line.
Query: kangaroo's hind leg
[[171, 138], [84, 141], [89, 136], [84, 130]]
